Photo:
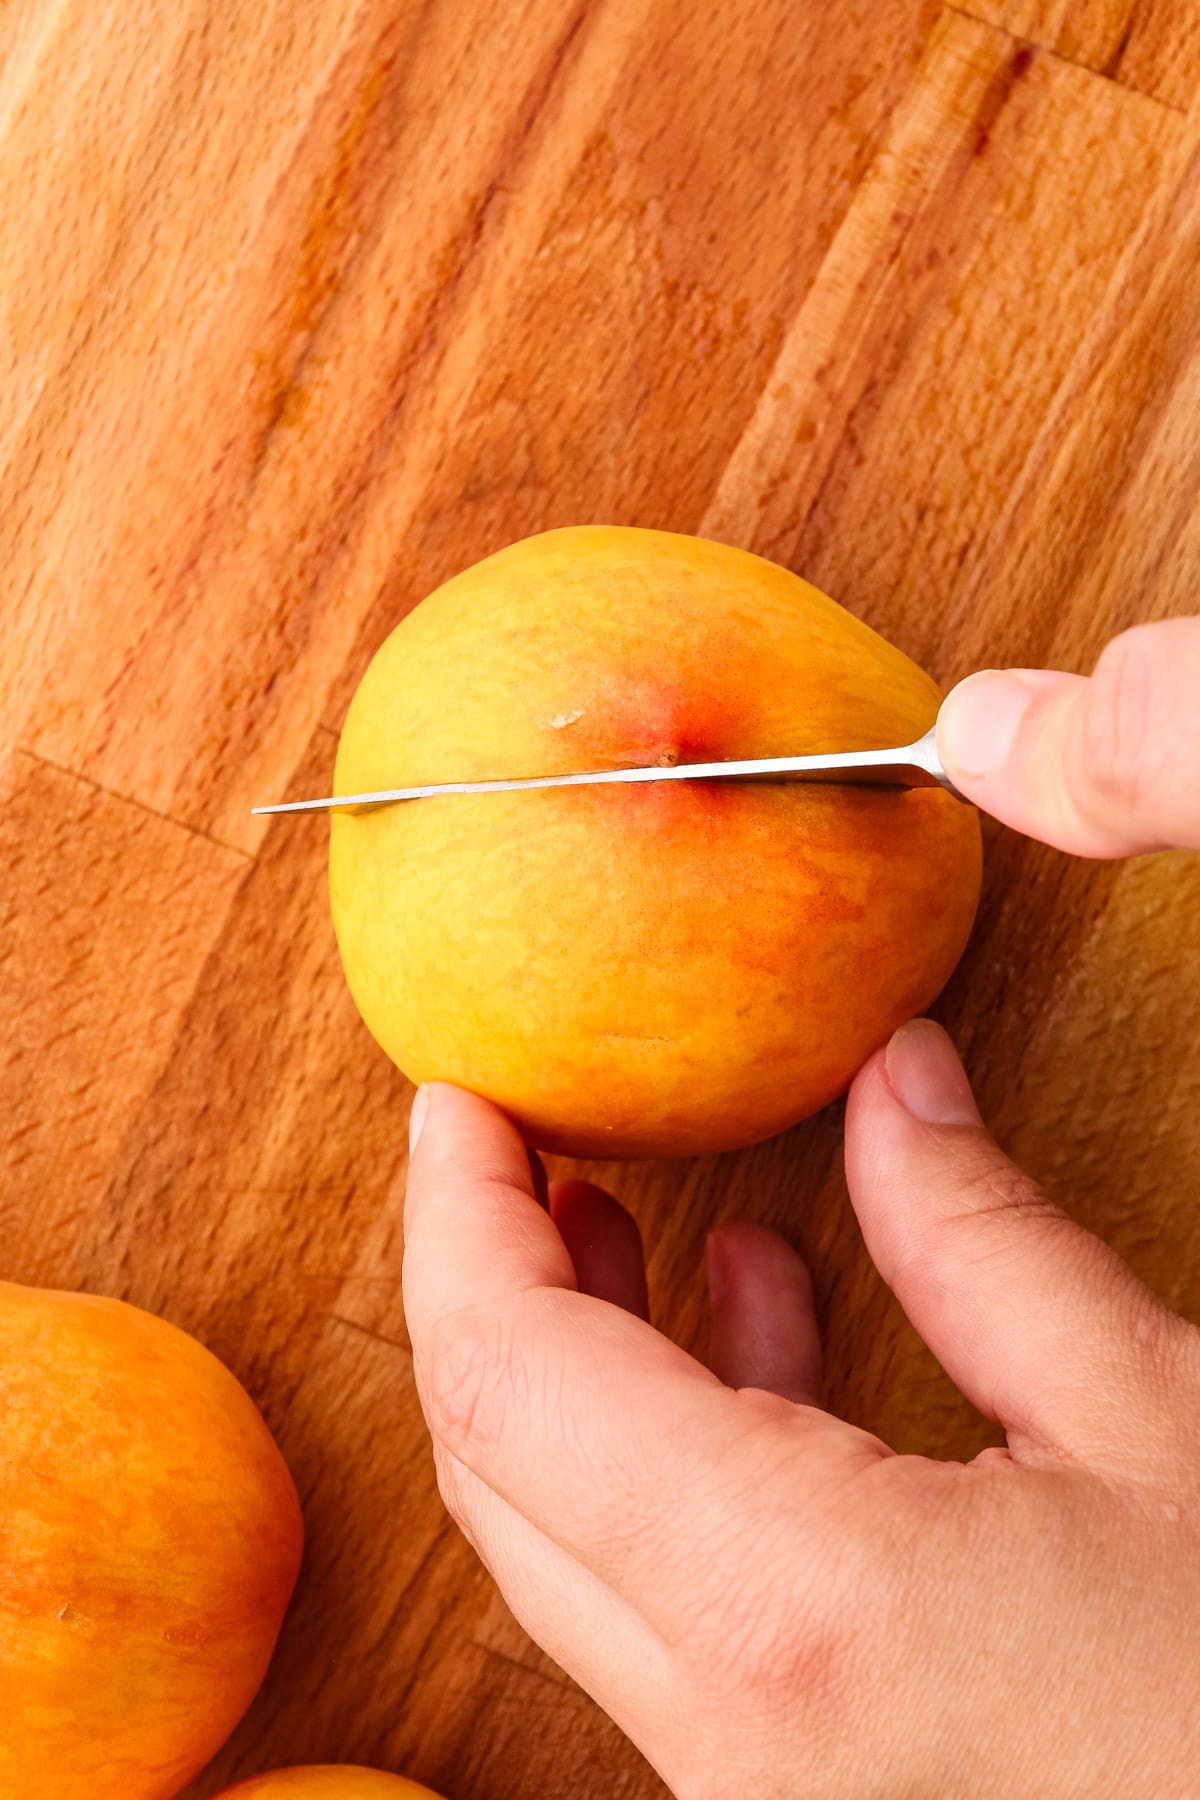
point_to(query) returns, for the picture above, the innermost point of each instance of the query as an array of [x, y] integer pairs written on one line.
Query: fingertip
[[978, 724], [744, 1247], [983, 720], [461, 1141], [925, 1074], [474, 1234], [416, 1118], [604, 1243], [1027, 1312], [914, 1082], [874, 1111], [447, 1114], [866, 1083], [716, 1271], [1087, 764], [723, 1263], [763, 1329]]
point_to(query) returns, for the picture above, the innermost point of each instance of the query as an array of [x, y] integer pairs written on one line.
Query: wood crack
[[561, 1683], [197, 831], [1107, 73], [377, 1337]]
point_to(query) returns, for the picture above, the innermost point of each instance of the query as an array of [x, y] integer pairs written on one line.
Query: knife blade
[[906, 766]]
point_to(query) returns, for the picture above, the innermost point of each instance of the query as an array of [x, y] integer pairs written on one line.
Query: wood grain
[[108, 914], [1152, 46], [302, 309]]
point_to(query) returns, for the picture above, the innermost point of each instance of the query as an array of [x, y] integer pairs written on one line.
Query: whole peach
[[149, 1542], [654, 969]]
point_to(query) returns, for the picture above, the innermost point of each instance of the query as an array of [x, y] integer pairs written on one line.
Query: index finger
[[607, 1437], [1103, 766]]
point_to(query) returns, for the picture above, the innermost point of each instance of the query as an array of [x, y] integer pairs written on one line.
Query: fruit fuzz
[[656, 969]]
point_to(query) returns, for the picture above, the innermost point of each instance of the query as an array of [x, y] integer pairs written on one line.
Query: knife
[[906, 766]]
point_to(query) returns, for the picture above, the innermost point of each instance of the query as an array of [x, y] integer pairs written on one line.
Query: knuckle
[[775, 1650], [475, 1373], [791, 1657], [988, 1210], [999, 1189], [1116, 729], [999, 1216], [779, 1637]]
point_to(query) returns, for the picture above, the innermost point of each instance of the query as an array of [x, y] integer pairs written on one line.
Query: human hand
[[1107, 765], [764, 1597]]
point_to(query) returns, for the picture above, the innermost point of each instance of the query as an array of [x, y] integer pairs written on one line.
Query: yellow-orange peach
[[641, 970], [328, 1782], [149, 1542]]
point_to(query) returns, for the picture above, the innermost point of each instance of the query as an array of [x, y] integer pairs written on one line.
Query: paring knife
[[907, 766]]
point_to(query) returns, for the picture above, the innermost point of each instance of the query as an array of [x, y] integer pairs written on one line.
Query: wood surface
[[302, 309]]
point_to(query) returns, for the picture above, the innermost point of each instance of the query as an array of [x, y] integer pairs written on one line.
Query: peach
[[149, 1542], [328, 1782], [659, 969]]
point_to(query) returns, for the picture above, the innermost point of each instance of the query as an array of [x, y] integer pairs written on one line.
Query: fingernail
[[924, 1073], [979, 721], [416, 1118]]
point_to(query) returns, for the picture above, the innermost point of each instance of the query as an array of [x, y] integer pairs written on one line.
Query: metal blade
[[909, 765]]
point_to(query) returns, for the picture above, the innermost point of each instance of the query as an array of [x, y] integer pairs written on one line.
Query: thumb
[[1107, 766], [1040, 1324]]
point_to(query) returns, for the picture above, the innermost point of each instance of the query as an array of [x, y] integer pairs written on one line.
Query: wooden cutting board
[[303, 308]]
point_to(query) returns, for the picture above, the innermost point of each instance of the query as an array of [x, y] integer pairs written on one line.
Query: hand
[[1106, 766], [765, 1598]]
